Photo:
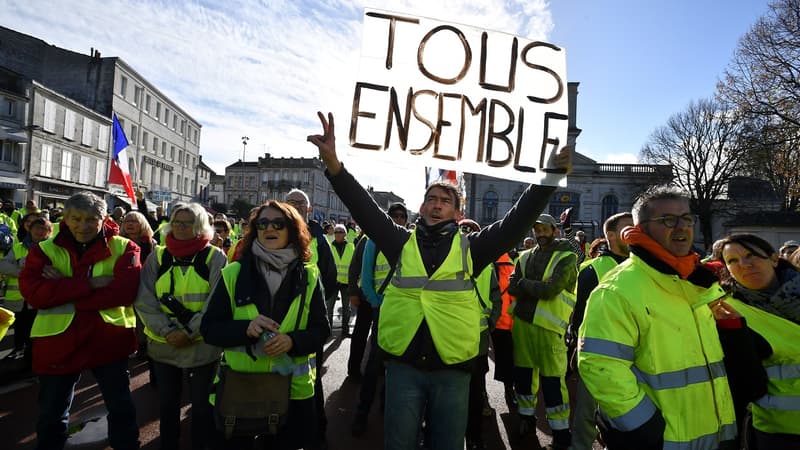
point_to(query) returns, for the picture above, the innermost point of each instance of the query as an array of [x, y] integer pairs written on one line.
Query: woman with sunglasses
[[765, 291], [174, 287], [136, 228], [270, 305]]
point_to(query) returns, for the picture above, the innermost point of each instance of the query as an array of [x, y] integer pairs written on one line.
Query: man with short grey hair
[[649, 349]]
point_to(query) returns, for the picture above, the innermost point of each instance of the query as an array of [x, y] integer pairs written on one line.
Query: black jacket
[[485, 246], [218, 327]]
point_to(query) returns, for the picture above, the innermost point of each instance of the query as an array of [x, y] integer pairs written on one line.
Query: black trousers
[[358, 340]]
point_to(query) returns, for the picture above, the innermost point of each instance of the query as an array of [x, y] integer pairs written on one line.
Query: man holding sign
[[430, 318]]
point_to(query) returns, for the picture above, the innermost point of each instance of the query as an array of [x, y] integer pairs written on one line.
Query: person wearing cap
[[343, 251], [543, 283], [429, 327], [787, 249]]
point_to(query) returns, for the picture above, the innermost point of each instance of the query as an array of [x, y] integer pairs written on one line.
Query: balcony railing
[[628, 170]]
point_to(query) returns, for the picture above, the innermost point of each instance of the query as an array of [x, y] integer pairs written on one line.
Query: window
[[134, 134], [170, 186], [180, 156], [163, 179], [100, 175], [195, 136], [9, 152], [172, 153], [153, 177], [610, 206], [174, 121], [102, 140], [49, 116], [186, 186], [123, 86], [155, 145], [137, 95], [178, 184], [83, 176], [147, 103], [9, 107], [490, 201], [158, 110], [69, 125], [183, 126], [145, 139], [163, 149], [86, 137], [166, 116], [66, 165], [45, 169]]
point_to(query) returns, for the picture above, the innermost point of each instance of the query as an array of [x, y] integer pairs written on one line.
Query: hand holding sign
[[326, 144]]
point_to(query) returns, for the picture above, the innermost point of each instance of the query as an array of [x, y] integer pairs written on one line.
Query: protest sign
[[433, 93]]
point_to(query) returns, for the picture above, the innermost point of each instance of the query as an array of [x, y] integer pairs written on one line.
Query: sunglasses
[[277, 224]]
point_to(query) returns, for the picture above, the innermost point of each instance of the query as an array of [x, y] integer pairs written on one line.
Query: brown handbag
[[251, 404]]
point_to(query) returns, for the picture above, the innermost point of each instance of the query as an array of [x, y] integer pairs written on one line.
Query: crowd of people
[[670, 350]]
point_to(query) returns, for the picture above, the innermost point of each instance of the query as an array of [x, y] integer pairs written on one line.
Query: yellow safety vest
[[189, 288], [447, 301], [602, 265], [55, 320], [552, 313], [779, 410], [343, 261], [649, 342], [12, 283], [305, 368], [381, 269]]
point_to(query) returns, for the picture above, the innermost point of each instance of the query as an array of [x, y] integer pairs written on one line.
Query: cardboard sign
[[432, 93]]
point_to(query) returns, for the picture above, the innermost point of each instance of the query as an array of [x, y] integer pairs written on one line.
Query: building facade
[[164, 138], [272, 178], [14, 135]]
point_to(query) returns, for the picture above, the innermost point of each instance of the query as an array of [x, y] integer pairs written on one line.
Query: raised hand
[[563, 159], [326, 144]]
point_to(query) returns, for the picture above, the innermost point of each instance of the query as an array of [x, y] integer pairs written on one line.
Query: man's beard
[[545, 241]]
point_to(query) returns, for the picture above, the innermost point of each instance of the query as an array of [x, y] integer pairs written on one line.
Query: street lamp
[[244, 148]]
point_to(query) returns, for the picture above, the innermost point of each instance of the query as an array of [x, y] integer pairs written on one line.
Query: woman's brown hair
[[299, 236]]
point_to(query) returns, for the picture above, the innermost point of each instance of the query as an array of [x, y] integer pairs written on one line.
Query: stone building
[[14, 135], [165, 139]]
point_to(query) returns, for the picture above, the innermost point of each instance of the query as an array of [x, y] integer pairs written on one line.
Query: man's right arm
[[326, 266]]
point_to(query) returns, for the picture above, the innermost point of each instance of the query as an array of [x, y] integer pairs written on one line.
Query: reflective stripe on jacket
[[779, 410], [649, 342], [188, 287], [447, 301], [12, 282], [343, 262], [53, 321], [236, 358]]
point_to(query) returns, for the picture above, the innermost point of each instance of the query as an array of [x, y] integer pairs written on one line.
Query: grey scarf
[[783, 302], [273, 264]]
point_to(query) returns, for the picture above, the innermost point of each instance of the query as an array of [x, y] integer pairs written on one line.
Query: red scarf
[[182, 249], [684, 265]]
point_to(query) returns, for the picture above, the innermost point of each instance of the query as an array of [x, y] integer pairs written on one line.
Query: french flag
[[120, 174], [432, 175]]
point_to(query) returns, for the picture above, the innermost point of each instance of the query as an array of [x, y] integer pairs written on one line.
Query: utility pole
[[244, 148]]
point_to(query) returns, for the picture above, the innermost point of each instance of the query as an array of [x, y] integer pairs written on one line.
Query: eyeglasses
[[277, 224], [671, 221], [182, 223]]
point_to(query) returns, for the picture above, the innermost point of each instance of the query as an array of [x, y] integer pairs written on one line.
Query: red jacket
[[88, 342]]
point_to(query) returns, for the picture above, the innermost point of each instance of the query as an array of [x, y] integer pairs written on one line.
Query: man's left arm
[[121, 291]]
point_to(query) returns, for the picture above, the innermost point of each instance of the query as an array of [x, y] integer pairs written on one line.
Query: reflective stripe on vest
[[53, 321], [552, 314], [188, 287], [343, 261], [447, 301], [12, 283], [237, 358]]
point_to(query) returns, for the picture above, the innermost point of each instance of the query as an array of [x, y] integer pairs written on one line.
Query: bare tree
[[702, 145], [763, 82]]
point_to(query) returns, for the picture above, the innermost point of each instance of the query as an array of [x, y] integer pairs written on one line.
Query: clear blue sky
[[243, 67]]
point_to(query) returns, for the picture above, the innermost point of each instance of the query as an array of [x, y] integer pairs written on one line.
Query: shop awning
[[15, 136], [12, 183]]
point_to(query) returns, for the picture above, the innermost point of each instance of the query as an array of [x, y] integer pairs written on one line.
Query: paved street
[[18, 411]]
